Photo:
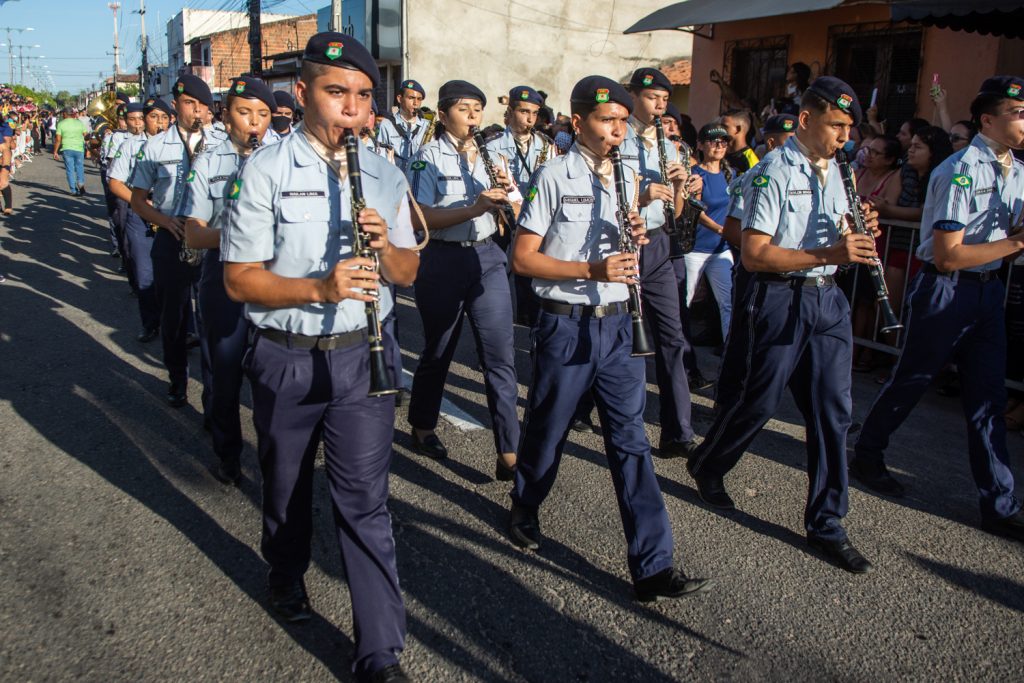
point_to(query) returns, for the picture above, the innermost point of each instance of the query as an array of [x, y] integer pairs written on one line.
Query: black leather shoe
[[503, 472], [524, 527], [670, 583], [191, 341], [1010, 527], [430, 446], [389, 674], [290, 602], [147, 336], [677, 449], [699, 382], [711, 490], [876, 477], [843, 555], [584, 426], [176, 395], [228, 473]]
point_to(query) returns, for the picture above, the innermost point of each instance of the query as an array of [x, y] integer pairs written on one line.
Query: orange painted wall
[[962, 60]]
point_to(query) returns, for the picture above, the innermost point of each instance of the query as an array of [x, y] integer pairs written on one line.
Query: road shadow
[[998, 589]]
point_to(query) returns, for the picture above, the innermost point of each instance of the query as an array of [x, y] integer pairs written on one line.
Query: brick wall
[[229, 50]]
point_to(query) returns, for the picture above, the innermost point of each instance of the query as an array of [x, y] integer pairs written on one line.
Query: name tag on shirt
[[985, 190], [577, 200], [304, 193], [219, 178], [630, 157], [798, 193], [449, 177], [172, 162]]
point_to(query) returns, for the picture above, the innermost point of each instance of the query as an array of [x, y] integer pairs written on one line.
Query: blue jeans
[[74, 166]]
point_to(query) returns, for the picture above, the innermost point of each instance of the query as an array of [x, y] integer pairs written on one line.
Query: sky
[[76, 37]]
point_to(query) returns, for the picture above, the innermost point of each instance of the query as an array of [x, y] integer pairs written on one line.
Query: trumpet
[[381, 383], [641, 344]]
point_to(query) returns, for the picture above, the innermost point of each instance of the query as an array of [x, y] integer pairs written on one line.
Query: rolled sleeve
[[247, 235], [143, 176], [401, 234], [121, 166], [949, 196], [195, 199], [423, 178]]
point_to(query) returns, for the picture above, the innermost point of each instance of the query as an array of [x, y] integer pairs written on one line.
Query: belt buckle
[[819, 280], [325, 343], [599, 312]]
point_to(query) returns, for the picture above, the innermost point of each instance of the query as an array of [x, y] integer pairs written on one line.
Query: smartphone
[[874, 98], [936, 88]]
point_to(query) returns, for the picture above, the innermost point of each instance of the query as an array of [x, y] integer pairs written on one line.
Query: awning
[[701, 12], [989, 17]]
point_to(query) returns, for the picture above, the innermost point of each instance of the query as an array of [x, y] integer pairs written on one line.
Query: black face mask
[[281, 124]]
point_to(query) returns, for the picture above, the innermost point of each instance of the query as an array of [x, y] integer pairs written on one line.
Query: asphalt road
[[123, 559]]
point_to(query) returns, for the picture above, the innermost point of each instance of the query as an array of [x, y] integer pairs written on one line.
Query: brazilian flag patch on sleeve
[[236, 189], [531, 193], [760, 181], [962, 180], [418, 165], [191, 176], [141, 154]]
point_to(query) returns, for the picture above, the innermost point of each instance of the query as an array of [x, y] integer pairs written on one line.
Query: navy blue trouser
[[660, 298], [173, 282], [225, 337], [139, 240], [301, 396], [798, 336], [959, 320], [573, 356], [453, 281], [733, 367]]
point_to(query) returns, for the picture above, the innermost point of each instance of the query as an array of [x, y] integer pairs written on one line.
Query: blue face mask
[[849, 146]]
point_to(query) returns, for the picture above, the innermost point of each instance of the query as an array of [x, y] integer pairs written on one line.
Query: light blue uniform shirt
[[125, 157], [741, 184], [440, 178], [522, 166], [403, 137], [967, 192], [209, 183], [161, 166], [647, 163], [575, 214], [112, 143], [290, 211], [785, 200]]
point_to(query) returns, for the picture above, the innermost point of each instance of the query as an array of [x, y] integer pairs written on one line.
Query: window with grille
[[756, 69], [883, 56]]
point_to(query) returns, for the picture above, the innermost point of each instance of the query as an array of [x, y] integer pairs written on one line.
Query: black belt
[[327, 342], [581, 311], [653, 232], [468, 243], [983, 276], [800, 280]]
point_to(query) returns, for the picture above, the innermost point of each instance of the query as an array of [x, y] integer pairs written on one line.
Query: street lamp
[[10, 49]]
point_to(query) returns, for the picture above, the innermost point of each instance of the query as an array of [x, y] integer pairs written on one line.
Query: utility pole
[[10, 49], [114, 6], [255, 39], [335, 16], [144, 69]]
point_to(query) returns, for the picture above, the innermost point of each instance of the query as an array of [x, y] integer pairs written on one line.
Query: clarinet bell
[[381, 383], [642, 345], [889, 320]]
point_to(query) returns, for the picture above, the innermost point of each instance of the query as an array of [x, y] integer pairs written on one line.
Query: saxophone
[[431, 116]]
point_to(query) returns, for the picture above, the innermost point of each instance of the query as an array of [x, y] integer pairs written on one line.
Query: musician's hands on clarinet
[[621, 268], [374, 225], [352, 278], [490, 200]]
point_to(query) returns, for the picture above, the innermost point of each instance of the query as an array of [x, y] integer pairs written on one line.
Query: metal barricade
[[899, 244]]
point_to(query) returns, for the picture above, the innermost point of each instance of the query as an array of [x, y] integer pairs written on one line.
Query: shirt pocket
[[575, 213], [451, 187], [305, 246]]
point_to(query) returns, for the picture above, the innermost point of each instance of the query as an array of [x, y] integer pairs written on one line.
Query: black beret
[[374, 108], [599, 90], [651, 79], [1010, 87], [133, 108], [123, 97], [339, 49], [284, 99], [252, 88], [158, 103], [524, 93], [193, 86], [457, 90], [673, 112], [713, 131], [413, 85], [780, 123], [839, 94]]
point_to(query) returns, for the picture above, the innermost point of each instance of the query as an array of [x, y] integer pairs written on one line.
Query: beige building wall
[[496, 44]]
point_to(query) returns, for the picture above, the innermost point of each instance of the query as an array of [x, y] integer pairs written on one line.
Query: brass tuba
[[105, 107]]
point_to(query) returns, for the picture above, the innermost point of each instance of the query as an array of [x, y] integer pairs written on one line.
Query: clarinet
[[186, 254], [889, 319], [254, 142], [641, 344], [506, 216], [682, 233], [381, 383]]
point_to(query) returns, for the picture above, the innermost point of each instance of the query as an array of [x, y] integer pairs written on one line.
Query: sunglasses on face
[[957, 138], [716, 143]]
